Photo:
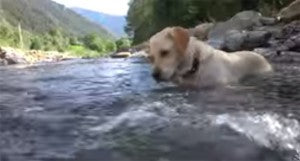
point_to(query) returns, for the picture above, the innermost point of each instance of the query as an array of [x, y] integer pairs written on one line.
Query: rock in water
[[121, 55], [290, 12]]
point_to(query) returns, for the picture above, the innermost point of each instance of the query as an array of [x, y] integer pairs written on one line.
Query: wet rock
[[274, 30], [291, 12], [256, 39], [290, 30], [121, 55], [292, 44], [201, 31], [266, 52], [245, 20], [234, 40], [279, 56], [268, 20], [245, 40], [288, 37]]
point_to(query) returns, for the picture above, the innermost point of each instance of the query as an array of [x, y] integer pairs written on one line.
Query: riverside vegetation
[[47, 26]]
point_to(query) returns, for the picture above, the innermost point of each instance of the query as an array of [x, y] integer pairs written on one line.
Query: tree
[[123, 43], [94, 42]]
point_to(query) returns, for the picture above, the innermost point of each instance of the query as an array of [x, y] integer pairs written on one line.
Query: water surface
[[112, 110]]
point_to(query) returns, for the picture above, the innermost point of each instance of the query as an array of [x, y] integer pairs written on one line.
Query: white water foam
[[270, 130]]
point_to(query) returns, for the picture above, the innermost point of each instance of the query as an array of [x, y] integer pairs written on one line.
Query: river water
[[112, 110]]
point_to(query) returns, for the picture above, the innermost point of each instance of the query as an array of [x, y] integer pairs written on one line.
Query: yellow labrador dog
[[184, 60]]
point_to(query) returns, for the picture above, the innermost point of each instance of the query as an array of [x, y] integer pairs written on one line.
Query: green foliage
[[74, 41], [91, 45], [110, 46], [49, 26], [94, 42], [123, 43], [35, 44], [84, 52], [9, 36]]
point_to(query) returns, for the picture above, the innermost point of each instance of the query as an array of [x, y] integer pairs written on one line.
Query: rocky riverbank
[[9, 56], [277, 38]]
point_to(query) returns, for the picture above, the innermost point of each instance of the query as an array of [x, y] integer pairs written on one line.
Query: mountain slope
[[115, 24], [39, 16]]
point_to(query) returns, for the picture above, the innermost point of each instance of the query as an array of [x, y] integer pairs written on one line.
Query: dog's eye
[[164, 53]]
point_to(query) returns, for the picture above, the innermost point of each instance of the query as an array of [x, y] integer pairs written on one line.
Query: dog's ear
[[181, 38]]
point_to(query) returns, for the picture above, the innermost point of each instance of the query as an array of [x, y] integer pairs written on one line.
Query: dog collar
[[194, 69]]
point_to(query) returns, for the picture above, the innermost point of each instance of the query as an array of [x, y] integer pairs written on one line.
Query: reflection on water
[[91, 110]]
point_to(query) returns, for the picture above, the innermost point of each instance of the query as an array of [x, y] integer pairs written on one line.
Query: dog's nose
[[156, 75]]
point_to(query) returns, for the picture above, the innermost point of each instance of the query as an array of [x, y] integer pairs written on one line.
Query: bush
[[35, 44], [94, 42], [110, 46], [73, 41], [81, 51], [123, 43]]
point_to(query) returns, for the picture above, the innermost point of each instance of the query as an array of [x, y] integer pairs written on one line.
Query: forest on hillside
[[146, 17], [46, 25]]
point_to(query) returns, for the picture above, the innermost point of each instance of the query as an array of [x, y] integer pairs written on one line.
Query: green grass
[[81, 51]]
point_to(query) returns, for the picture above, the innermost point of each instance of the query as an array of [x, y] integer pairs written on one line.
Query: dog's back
[[224, 68], [250, 63]]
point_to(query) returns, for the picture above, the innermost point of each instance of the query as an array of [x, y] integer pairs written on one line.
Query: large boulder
[[291, 12], [234, 40], [201, 31], [225, 34], [242, 21], [245, 40]]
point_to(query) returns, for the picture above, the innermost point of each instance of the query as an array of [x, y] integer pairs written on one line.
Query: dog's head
[[167, 50]]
